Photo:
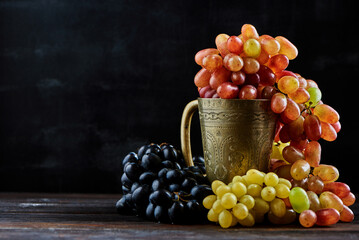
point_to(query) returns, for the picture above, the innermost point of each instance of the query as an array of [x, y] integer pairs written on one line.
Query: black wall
[[84, 82]]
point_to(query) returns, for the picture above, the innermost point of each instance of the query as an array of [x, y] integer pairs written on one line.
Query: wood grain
[[93, 216]]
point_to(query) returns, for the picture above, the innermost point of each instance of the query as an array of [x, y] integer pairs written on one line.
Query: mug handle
[[188, 111]]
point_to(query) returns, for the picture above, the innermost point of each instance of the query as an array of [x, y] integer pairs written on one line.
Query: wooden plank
[[91, 216]]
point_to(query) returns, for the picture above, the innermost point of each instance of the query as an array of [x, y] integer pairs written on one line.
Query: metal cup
[[237, 135]]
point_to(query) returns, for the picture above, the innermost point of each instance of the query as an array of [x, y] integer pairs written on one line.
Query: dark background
[[82, 83]]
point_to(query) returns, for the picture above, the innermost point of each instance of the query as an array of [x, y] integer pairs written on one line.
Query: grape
[[209, 93], [203, 91], [269, 44], [299, 199], [312, 153], [225, 219], [238, 78], [330, 200], [314, 201], [328, 132], [252, 79], [292, 154], [301, 145], [188, 184], [268, 92], [249, 221], [174, 176], [212, 216], [202, 78], [311, 83], [271, 179], [248, 32], [254, 190], [238, 179], [228, 200], [132, 171], [268, 193], [254, 176], [285, 182], [300, 183], [233, 62], [315, 95], [288, 84], [296, 129], [278, 63], [346, 215], [212, 62], [199, 192], [289, 217], [240, 211], [218, 77], [147, 178], [327, 173], [161, 214], [312, 127], [215, 184], [221, 43], [300, 95], [248, 92], [337, 126], [250, 65], [338, 188], [239, 189], [349, 200], [260, 206], [287, 48], [292, 111], [247, 200], [300, 169], [315, 184], [263, 57], [267, 77], [284, 171], [217, 206], [325, 113], [307, 218], [278, 102], [303, 83], [283, 73], [252, 48], [327, 216], [282, 190], [228, 90], [131, 157], [161, 197], [277, 207], [208, 201], [151, 161], [176, 212], [221, 190], [235, 45], [203, 53]]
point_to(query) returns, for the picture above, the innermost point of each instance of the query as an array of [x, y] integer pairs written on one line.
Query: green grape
[[252, 48], [315, 96], [221, 190], [282, 190], [277, 207], [254, 176], [271, 179], [237, 179], [260, 206], [208, 201], [228, 200], [240, 211], [249, 221], [254, 190], [215, 184], [268, 193], [247, 200], [225, 219], [239, 189], [212, 216], [217, 206], [285, 182], [299, 199]]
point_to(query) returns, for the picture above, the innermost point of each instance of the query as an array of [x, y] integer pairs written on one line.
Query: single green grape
[[315, 96], [299, 199]]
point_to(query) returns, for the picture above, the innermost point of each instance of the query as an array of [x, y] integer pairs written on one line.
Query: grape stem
[[180, 198]]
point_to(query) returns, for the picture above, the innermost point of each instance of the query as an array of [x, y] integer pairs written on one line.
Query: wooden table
[[93, 216]]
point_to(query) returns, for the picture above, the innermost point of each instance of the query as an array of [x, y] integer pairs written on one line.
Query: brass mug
[[237, 135]]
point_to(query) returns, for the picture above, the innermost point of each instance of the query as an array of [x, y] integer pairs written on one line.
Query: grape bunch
[[258, 196], [247, 66], [158, 186]]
